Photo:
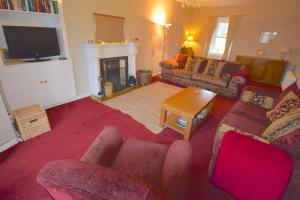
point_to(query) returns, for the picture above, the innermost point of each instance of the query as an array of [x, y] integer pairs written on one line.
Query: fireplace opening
[[114, 70]]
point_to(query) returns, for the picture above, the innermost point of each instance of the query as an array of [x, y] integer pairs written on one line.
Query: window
[[218, 41]]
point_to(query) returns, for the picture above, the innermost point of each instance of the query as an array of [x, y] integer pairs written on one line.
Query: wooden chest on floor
[[31, 121]]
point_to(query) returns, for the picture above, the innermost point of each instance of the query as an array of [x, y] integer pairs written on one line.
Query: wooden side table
[[187, 103]]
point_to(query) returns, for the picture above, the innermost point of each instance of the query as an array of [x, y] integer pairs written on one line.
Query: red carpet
[[74, 127]]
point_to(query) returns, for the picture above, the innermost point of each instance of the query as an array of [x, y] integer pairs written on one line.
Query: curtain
[[212, 23], [233, 25]]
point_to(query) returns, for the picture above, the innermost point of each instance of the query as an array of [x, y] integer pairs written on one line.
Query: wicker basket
[[31, 121], [143, 77]]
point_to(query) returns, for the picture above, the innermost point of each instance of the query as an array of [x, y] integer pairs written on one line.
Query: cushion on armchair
[[249, 169]]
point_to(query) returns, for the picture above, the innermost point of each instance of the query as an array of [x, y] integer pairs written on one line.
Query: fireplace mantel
[[95, 52]]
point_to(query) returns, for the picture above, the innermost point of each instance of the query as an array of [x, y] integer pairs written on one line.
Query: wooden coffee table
[[187, 103]]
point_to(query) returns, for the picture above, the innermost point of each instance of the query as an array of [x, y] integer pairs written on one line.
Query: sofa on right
[[271, 117]]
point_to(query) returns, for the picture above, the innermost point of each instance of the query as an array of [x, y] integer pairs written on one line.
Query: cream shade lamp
[[284, 50]]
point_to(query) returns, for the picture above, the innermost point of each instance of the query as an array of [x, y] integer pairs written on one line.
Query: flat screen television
[[25, 42]]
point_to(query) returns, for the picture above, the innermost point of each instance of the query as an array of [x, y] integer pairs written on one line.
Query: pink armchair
[[114, 169]]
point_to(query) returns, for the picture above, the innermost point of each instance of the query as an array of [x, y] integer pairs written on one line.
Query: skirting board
[[9, 144], [70, 100]]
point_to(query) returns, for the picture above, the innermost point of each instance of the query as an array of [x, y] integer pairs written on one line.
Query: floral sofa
[[225, 78], [270, 117]]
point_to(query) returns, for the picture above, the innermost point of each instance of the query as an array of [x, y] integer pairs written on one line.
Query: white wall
[[284, 19], [139, 15]]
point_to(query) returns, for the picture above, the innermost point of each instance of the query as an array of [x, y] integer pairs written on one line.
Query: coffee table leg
[[188, 129], [163, 115]]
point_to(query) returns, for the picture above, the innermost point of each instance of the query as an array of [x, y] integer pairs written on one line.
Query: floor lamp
[[166, 28]]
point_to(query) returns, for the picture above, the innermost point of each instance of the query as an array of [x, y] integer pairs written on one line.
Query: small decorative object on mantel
[[31, 121], [91, 41]]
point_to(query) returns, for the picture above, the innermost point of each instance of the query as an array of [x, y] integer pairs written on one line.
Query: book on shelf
[[43, 6], [37, 5]]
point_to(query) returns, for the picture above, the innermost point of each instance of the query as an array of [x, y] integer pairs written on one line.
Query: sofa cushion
[[257, 99], [290, 143], [181, 60], [249, 169], [247, 117], [182, 73], [170, 64], [293, 87], [198, 64], [283, 126], [189, 65], [209, 79], [202, 66], [286, 105], [230, 68], [141, 159], [214, 68]]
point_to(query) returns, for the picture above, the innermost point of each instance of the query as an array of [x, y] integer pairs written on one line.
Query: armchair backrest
[[105, 147]]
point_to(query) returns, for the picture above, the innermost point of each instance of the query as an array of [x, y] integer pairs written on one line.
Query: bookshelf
[[33, 6], [27, 12], [46, 83]]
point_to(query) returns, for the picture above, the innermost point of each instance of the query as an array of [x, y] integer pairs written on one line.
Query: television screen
[[31, 42]]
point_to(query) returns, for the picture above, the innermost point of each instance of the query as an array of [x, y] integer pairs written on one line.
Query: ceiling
[[213, 3]]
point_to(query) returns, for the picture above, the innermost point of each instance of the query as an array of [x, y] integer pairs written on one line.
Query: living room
[[211, 113]]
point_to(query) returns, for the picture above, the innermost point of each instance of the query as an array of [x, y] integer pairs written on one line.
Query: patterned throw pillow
[[171, 64], [214, 68], [181, 60], [189, 65], [260, 100], [283, 126], [286, 105], [198, 62], [226, 77]]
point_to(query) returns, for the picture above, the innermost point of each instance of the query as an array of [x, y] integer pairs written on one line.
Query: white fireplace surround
[[95, 52]]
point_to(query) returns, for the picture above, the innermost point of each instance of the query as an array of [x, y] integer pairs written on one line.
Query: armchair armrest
[[105, 147], [177, 170], [169, 64], [259, 96], [70, 179], [263, 170]]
